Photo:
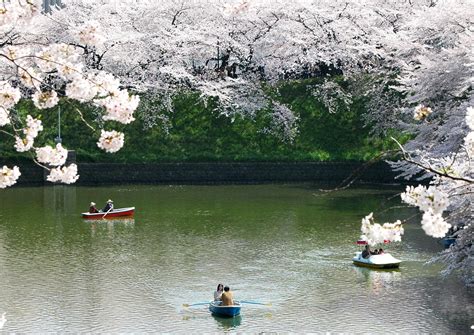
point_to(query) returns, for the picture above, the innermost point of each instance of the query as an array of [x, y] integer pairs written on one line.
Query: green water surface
[[288, 245]]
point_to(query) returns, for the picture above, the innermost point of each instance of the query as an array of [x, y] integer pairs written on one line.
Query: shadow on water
[[229, 323]]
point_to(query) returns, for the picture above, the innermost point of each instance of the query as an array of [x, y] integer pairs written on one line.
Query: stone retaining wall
[[216, 173]]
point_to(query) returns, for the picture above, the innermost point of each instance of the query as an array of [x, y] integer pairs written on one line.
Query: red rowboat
[[119, 212]]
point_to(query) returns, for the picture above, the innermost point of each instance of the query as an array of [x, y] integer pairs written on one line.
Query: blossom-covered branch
[[34, 68]]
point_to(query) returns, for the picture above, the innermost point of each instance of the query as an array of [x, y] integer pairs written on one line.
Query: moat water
[[286, 245]]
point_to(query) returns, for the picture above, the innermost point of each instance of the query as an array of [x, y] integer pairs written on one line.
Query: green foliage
[[199, 133]]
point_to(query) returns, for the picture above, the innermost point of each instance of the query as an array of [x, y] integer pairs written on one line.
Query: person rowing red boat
[[92, 208], [109, 206]]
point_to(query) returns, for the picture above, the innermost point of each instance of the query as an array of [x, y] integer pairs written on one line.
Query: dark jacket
[[107, 207]]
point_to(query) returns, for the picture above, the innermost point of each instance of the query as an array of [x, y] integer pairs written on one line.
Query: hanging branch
[[6, 132], [82, 118], [354, 176], [409, 159]]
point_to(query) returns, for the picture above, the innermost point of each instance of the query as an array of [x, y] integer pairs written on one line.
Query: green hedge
[[200, 133]]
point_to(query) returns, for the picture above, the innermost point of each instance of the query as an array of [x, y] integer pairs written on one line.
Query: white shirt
[[217, 295]]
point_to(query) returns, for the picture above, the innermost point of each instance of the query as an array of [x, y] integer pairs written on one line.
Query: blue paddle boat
[[447, 241], [217, 309]]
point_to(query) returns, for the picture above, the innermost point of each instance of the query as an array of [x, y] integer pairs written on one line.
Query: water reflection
[[229, 323], [59, 203], [59, 199], [110, 224], [378, 279]]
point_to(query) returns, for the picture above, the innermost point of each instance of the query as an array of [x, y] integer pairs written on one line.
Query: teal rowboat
[[217, 309]]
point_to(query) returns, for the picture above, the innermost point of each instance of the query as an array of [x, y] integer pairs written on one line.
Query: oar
[[196, 304], [107, 212], [255, 303]]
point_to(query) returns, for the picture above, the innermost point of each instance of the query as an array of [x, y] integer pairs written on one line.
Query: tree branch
[[407, 157]]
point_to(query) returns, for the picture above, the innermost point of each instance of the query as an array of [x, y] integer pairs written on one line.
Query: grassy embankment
[[199, 133]]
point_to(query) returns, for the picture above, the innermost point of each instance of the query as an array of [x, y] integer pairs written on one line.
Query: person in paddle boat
[[92, 208], [218, 292], [109, 206], [366, 252], [227, 297]]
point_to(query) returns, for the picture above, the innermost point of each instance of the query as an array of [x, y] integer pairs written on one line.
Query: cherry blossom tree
[[439, 76], [32, 67], [231, 51]]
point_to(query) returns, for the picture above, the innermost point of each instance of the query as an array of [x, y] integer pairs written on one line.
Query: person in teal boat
[[218, 292], [227, 297]]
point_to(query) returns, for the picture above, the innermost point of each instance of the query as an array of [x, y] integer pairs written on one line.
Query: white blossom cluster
[[235, 9], [120, 107], [8, 176], [65, 174], [33, 127], [469, 143], [375, 233], [23, 144], [426, 198], [90, 34], [421, 112], [434, 224], [469, 139], [31, 131], [46, 99], [433, 202], [52, 156], [81, 89], [9, 96], [4, 119], [44, 71], [111, 141], [11, 12], [470, 118], [30, 77], [103, 89]]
